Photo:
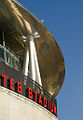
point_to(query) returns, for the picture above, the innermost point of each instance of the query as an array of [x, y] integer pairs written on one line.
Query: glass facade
[[9, 58]]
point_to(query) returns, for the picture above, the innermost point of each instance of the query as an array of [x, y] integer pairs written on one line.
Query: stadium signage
[[11, 84]]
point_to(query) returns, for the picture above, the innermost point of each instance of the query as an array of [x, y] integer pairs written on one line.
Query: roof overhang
[[16, 22]]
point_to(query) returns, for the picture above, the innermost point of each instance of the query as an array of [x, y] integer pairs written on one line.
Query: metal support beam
[[26, 59], [35, 73], [32, 62], [38, 78], [3, 37], [30, 59]]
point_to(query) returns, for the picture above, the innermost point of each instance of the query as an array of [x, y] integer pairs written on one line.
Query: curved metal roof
[[16, 22]]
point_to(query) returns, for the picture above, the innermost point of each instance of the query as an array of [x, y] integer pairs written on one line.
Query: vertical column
[[3, 37], [30, 59], [35, 73], [26, 59], [38, 77], [32, 62]]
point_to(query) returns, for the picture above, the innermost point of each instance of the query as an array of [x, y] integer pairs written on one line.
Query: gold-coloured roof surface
[[16, 22]]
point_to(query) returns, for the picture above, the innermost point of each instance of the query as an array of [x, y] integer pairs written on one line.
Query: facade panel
[[16, 107]]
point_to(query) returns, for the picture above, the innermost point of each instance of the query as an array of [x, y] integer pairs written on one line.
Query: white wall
[[16, 107]]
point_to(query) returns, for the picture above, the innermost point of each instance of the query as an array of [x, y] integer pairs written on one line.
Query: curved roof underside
[[16, 21]]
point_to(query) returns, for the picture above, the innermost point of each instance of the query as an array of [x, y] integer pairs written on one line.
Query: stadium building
[[32, 66]]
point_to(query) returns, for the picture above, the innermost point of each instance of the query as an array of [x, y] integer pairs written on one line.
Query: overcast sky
[[64, 19]]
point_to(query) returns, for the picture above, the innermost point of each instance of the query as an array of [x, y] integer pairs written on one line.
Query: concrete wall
[[16, 107]]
